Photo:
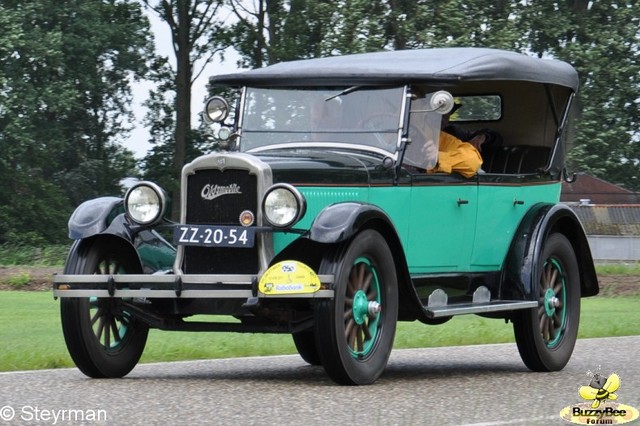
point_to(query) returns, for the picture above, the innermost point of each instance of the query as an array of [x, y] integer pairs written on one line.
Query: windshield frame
[[329, 93]]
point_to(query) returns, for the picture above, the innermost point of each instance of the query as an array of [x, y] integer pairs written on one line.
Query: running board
[[473, 308], [481, 303]]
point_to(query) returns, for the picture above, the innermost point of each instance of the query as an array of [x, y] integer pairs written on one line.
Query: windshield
[[424, 134], [341, 115]]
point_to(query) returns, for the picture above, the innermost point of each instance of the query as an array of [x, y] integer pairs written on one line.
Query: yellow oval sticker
[[289, 277]]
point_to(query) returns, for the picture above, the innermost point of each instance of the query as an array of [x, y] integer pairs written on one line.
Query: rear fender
[[521, 270]]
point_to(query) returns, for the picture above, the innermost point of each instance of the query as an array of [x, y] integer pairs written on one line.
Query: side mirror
[[442, 102]]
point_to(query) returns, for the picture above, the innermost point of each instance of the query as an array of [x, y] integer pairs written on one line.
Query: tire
[[305, 342], [102, 339], [546, 335], [356, 340]]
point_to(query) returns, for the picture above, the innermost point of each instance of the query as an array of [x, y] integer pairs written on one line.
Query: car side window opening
[[432, 150]]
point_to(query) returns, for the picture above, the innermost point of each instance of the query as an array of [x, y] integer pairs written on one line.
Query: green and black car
[[320, 216]]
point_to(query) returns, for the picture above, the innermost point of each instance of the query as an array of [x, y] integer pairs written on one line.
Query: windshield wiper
[[344, 92]]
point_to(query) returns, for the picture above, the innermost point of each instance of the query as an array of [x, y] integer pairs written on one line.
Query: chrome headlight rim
[[300, 205], [161, 203], [216, 109]]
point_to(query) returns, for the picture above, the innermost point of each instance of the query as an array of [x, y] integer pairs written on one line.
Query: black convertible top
[[445, 66]]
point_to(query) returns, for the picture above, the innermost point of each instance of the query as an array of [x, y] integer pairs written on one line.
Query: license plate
[[214, 236]]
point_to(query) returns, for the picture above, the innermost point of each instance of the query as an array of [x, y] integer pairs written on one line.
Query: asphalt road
[[471, 385]]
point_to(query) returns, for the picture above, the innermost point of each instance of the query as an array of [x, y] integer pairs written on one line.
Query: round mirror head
[[442, 102]]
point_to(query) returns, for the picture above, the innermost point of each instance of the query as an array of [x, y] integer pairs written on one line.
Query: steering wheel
[[379, 121]]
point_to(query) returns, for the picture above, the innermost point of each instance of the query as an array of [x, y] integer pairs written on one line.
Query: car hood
[[325, 167]]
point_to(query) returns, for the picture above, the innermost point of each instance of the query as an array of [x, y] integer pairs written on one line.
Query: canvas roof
[[444, 66]]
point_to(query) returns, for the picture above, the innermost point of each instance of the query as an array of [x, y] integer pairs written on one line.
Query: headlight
[[145, 203], [283, 205], [216, 110]]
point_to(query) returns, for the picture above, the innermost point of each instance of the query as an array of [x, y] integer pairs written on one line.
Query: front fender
[[521, 270], [339, 222], [93, 216], [102, 219]]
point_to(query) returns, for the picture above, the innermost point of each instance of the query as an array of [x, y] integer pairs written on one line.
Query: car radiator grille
[[222, 210]]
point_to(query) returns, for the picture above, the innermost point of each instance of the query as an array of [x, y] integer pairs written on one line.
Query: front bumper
[[170, 286]]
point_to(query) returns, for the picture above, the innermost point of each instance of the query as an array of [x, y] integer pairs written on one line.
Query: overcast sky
[[138, 140]]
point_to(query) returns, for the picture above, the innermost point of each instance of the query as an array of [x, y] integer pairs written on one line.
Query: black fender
[[80, 248], [102, 219], [521, 271], [93, 216], [341, 221], [338, 223]]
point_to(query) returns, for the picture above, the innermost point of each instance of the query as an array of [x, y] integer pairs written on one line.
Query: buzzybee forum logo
[[600, 408]]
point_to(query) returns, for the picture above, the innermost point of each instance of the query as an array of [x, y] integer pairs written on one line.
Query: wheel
[[305, 342], [102, 338], [356, 328], [546, 335]]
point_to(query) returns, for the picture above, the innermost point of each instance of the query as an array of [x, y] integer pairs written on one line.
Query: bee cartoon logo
[[599, 408], [600, 389]]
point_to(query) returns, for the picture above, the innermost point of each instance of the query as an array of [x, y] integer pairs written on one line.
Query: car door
[[503, 200], [442, 221]]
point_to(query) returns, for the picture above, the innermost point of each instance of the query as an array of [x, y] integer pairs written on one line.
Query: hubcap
[[363, 308]]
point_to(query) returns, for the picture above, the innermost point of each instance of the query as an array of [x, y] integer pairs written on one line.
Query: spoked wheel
[[546, 335], [356, 329], [102, 338]]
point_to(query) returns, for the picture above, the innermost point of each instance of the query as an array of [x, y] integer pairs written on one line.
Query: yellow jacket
[[457, 156]]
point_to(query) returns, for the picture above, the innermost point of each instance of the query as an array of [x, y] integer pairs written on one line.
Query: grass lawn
[[31, 335]]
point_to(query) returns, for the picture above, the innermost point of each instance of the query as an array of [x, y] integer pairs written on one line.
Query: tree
[[65, 75], [602, 40], [270, 31], [197, 37]]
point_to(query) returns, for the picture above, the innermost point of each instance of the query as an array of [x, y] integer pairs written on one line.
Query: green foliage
[[19, 280], [32, 254], [623, 269], [601, 40], [65, 94]]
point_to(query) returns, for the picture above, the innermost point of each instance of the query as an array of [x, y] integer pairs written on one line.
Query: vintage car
[[323, 214]]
